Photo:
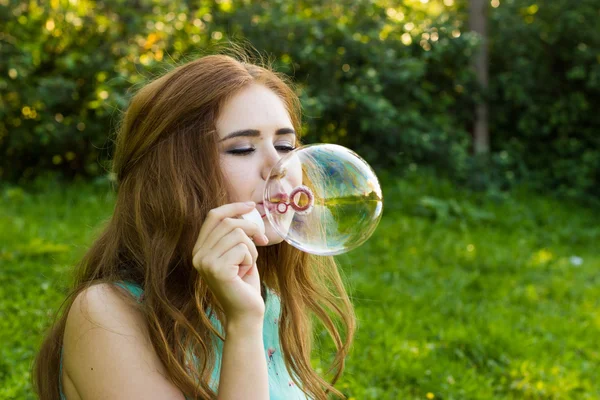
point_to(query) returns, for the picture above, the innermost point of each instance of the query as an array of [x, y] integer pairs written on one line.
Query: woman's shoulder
[[102, 310], [103, 305], [104, 329], [113, 296]]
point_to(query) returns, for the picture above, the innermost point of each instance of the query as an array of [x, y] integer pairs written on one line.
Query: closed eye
[[285, 149], [240, 151], [243, 152]]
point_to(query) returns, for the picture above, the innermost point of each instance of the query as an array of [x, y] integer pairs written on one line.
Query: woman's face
[[255, 132]]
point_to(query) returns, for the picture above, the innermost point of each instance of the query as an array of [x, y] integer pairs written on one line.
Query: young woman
[[179, 297]]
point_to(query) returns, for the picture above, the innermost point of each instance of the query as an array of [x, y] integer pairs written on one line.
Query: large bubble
[[323, 199]]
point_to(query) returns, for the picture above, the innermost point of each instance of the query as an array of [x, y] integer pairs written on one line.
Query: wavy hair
[[164, 159]]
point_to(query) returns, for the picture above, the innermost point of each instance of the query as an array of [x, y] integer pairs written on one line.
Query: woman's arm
[[244, 365]]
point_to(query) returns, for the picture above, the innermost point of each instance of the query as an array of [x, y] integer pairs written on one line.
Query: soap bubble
[[323, 199]]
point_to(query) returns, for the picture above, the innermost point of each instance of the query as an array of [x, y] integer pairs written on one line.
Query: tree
[[478, 23]]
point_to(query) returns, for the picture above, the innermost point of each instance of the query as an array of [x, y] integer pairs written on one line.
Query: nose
[[271, 158]]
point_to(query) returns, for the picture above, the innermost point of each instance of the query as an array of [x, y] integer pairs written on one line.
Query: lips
[[272, 203]]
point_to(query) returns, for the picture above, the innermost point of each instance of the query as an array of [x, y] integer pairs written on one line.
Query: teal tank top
[[281, 385]]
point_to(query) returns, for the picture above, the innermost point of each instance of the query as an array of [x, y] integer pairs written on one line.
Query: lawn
[[460, 295]]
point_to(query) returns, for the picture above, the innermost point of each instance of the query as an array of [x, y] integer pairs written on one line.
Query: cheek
[[294, 174], [237, 180], [297, 178]]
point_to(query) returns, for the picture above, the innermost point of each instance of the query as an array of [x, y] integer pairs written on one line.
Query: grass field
[[460, 295]]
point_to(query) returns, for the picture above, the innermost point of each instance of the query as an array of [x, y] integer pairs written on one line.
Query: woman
[[179, 297]]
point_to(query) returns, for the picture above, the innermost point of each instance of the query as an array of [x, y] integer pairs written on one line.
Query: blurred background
[[479, 117]]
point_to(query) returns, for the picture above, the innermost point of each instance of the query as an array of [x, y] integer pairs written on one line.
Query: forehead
[[254, 107]]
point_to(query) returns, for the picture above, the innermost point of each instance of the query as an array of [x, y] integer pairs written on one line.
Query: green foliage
[[459, 294], [63, 90], [544, 93], [386, 81]]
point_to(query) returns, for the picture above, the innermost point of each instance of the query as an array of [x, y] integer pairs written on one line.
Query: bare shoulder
[[103, 307], [107, 349]]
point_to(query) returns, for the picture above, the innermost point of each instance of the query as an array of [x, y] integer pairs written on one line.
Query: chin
[[273, 237]]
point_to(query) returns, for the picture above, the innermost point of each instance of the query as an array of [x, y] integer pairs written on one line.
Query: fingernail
[[266, 238], [250, 203]]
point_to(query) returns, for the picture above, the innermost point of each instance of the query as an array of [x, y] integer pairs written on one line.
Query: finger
[[231, 240], [228, 225], [216, 215], [251, 274], [238, 256], [245, 270]]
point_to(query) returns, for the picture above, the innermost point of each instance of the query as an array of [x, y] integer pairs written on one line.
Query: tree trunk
[[477, 23]]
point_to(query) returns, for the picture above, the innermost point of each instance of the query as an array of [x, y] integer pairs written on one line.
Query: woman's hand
[[225, 257]]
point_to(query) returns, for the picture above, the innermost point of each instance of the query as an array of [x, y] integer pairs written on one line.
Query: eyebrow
[[256, 133]]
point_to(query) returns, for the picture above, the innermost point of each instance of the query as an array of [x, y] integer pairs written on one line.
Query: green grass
[[459, 295]]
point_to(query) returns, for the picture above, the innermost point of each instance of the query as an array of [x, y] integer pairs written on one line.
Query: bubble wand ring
[[306, 208], [285, 208], [300, 209]]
